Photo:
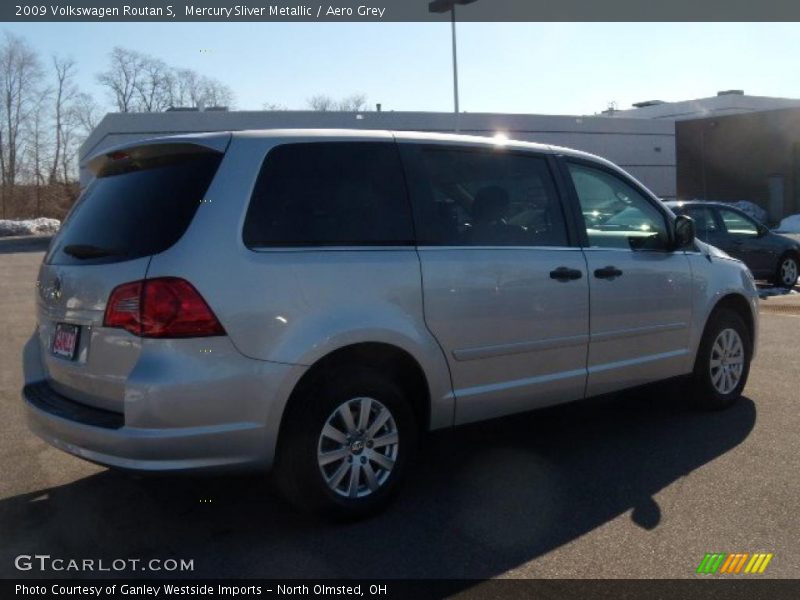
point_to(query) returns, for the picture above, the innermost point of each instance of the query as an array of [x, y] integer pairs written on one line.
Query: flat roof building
[[753, 156], [727, 102], [645, 148], [727, 147]]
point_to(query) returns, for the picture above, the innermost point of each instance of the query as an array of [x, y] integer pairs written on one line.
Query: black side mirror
[[683, 232], [762, 230]]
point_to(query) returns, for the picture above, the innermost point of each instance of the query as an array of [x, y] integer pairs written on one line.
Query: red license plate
[[65, 340]]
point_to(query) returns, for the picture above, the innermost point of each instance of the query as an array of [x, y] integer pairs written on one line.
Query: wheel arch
[[788, 253], [404, 370], [740, 305], [793, 252]]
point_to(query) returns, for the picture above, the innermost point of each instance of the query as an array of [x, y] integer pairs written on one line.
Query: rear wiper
[[89, 251]]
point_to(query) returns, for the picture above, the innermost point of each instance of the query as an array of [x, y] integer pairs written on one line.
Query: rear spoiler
[[122, 156]]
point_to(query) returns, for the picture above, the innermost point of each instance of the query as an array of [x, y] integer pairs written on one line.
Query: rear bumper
[[185, 449], [182, 412], [40, 395]]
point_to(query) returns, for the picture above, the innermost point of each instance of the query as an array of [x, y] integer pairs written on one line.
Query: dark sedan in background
[[769, 255]]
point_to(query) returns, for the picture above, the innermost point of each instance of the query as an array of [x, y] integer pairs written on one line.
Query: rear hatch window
[[140, 203]]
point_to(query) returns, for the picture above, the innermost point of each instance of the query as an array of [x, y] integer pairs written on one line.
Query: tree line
[[138, 82], [45, 116]]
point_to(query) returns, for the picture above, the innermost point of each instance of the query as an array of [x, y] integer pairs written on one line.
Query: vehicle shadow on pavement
[[483, 499]]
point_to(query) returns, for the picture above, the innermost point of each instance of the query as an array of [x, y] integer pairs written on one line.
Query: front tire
[[345, 444], [787, 271], [723, 361]]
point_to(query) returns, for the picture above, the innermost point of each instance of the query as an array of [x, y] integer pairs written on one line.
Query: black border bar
[[398, 10], [711, 588]]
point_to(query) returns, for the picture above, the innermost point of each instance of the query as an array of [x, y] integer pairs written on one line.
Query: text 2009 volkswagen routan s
[[312, 301]]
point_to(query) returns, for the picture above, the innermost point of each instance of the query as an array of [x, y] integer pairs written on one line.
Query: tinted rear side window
[[137, 210], [483, 197], [330, 194]]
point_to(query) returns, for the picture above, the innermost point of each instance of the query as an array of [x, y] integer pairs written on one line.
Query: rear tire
[[787, 272], [723, 361], [345, 444]]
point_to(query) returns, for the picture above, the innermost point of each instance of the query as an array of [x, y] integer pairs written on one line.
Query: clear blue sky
[[552, 68]]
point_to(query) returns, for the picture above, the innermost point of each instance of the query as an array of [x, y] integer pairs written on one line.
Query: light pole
[[441, 6]]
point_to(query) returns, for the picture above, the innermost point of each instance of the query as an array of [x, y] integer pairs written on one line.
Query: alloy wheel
[[357, 447], [789, 272], [727, 361]]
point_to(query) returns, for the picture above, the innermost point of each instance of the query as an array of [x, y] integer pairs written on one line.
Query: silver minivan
[[312, 301]]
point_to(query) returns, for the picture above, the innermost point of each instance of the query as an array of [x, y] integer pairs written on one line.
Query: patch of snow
[[752, 209], [790, 224], [40, 226]]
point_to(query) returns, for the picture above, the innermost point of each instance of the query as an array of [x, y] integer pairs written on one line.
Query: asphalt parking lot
[[634, 486]]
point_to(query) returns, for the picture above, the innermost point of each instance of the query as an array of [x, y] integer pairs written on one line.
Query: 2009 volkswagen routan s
[[312, 301]]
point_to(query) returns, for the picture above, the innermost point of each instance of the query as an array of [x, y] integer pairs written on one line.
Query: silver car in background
[[311, 301]]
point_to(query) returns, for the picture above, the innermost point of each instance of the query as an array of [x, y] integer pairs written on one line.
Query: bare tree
[[40, 129], [214, 93], [38, 142], [81, 116], [122, 77], [321, 103], [189, 88], [20, 77], [142, 83], [153, 86], [70, 150], [274, 106], [185, 88], [85, 111], [64, 94], [352, 103]]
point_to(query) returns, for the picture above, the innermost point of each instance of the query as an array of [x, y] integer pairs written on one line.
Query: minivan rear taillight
[[165, 307]]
